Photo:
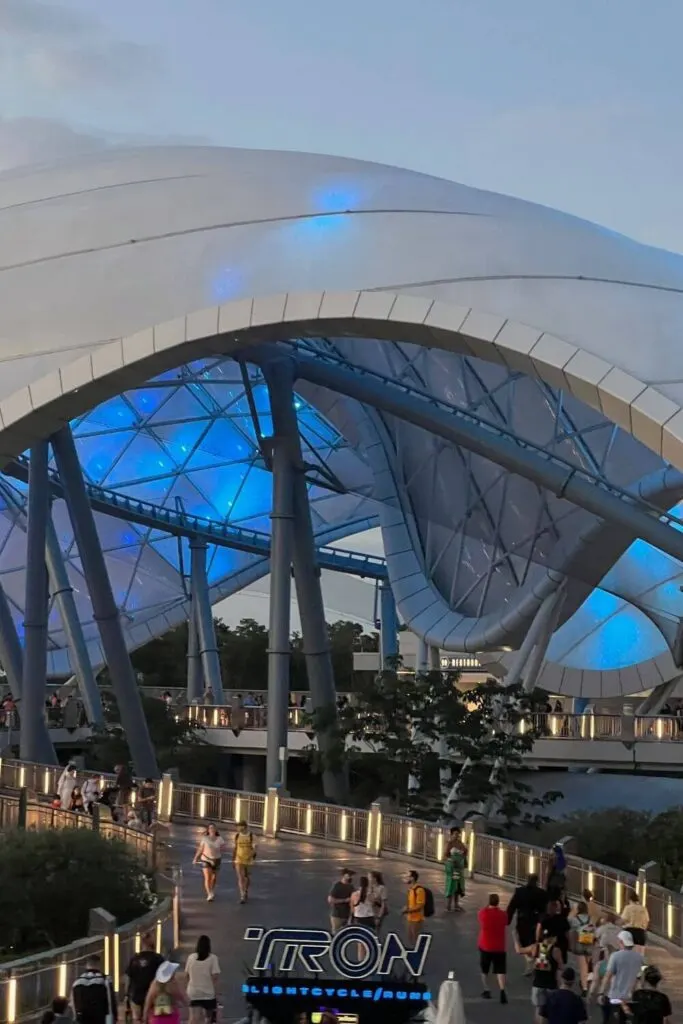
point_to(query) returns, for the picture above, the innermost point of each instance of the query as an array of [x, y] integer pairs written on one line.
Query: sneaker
[[486, 994], [211, 897], [503, 996]]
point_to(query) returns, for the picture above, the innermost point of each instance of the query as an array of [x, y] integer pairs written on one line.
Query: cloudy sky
[[576, 105]]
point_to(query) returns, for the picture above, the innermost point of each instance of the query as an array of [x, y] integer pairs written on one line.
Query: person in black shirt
[[339, 901], [546, 963], [529, 903], [92, 995], [140, 974], [648, 1005], [556, 926], [563, 1006]]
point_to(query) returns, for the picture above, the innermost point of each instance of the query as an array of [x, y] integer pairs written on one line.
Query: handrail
[[376, 831], [549, 726], [29, 984]]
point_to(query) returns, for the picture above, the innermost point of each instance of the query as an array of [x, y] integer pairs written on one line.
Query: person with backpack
[[140, 974], [583, 934], [419, 905], [92, 995], [165, 997]]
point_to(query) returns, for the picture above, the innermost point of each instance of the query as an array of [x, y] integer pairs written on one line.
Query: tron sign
[[305, 947], [332, 990]]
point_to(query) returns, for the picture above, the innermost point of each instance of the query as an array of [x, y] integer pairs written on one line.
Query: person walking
[[648, 1005], [563, 1005], [528, 905], [362, 910], [492, 943], [414, 910], [547, 962], [339, 901], [243, 857], [454, 871], [165, 997], [209, 853], [378, 898], [583, 935], [202, 971], [635, 918], [621, 978], [92, 995], [140, 974]]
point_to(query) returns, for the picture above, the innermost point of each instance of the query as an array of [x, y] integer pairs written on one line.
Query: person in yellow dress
[[243, 857]]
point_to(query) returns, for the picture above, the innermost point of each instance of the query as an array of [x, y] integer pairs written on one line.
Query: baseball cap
[[166, 971], [626, 938]]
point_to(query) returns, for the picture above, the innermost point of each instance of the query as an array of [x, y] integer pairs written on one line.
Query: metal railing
[[377, 832], [548, 726], [28, 985]]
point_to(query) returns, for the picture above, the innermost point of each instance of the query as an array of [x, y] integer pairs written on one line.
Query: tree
[[408, 737], [178, 742], [50, 880]]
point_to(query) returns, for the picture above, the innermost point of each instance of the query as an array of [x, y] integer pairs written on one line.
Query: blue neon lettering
[[308, 946], [277, 990], [342, 992], [316, 991], [291, 990]]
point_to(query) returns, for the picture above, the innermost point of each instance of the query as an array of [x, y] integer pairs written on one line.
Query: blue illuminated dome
[[140, 288]]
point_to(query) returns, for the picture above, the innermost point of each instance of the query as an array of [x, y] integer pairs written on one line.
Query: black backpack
[[429, 902]]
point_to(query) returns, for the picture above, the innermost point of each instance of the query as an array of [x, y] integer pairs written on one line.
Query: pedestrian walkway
[[290, 886]]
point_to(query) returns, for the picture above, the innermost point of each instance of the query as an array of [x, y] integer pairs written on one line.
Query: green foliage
[[627, 839], [243, 651], [50, 880], [178, 743], [404, 727]]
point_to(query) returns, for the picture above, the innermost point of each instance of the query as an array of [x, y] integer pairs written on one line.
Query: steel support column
[[521, 657], [34, 743], [281, 545], [11, 655], [195, 675], [434, 659], [62, 591], [105, 610], [208, 647], [388, 626], [422, 656], [279, 377], [549, 625]]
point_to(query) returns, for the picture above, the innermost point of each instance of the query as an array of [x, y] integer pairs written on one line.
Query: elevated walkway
[[624, 742], [301, 849]]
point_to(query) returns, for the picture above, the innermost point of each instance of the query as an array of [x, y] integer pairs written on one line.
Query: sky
[[574, 105]]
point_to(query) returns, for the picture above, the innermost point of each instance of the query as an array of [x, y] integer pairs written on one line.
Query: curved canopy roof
[[554, 329]]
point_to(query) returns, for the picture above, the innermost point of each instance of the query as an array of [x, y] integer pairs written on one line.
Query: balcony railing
[[28, 985]]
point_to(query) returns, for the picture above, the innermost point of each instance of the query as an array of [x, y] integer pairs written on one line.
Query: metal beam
[[486, 439], [182, 524], [11, 655], [62, 591], [195, 674], [279, 377], [208, 647], [282, 531], [105, 610], [388, 624], [34, 740]]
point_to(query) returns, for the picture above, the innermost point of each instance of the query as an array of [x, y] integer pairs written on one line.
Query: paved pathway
[[290, 886]]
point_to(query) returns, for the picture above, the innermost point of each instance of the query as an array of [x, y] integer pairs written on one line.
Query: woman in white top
[[208, 854], [202, 970], [362, 910], [378, 898]]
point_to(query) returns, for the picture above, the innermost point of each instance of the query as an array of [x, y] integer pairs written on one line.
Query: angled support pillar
[[388, 625], [547, 613], [208, 647], [195, 675], [434, 659], [533, 665], [422, 656], [62, 591], [34, 739], [105, 610], [281, 545], [11, 656], [279, 376]]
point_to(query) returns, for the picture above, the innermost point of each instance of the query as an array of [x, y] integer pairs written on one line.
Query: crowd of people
[[60, 712], [130, 803]]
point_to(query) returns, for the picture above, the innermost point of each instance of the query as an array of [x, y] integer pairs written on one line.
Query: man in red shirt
[[493, 924]]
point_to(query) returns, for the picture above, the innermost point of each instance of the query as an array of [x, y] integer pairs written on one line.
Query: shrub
[[50, 880]]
